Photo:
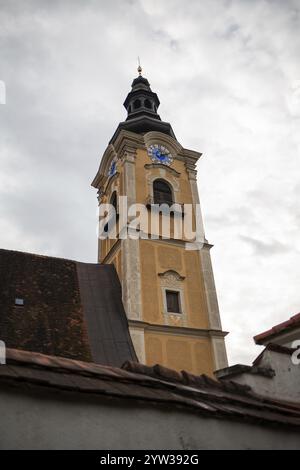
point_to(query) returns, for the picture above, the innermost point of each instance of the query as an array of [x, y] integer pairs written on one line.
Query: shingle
[[107, 325], [70, 309]]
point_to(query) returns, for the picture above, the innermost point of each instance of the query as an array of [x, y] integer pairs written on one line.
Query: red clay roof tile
[[145, 384], [280, 328]]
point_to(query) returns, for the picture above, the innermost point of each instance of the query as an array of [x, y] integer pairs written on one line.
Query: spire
[[141, 101], [141, 105], [139, 69]]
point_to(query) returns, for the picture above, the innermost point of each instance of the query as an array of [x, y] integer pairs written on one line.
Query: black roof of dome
[[141, 105], [141, 80]]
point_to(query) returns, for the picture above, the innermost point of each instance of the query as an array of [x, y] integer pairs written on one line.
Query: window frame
[[162, 200], [178, 300], [114, 200]]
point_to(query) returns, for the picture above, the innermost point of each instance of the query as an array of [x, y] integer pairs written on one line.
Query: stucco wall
[[51, 420], [284, 385], [159, 257], [180, 352]]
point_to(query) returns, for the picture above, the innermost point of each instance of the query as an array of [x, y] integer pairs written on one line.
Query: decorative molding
[[100, 195], [125, 142], [192, 174], [131, 275], [101, 176], [174, 183], [170, 273], [113, 181], [129, 177], [131, 278], [191, 158], [172, 329], [172, 241], [154, 137], [127, 139], [171, 280], [154, 166]]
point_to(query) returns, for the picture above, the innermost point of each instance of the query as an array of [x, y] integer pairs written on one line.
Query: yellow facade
[[157, 258], [180, 352]]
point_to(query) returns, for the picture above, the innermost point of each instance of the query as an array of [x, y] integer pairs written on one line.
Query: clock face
[[160, 154], [113, 168]]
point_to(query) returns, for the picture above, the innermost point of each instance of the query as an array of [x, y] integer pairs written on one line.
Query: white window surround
[[181, 300], [182, 316], [162, 176], [170, 281]]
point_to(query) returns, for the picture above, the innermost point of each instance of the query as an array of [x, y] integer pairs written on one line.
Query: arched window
[[162, 192], [114, 201], [113, 217], [148, 104], [137, 104]]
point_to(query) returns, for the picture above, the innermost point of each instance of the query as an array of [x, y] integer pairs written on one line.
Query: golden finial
[[139, 69]]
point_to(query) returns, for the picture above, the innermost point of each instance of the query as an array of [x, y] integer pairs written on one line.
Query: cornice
[[100, 178], [152, 166], [191, 158], [128, 142], [172, 144], [177, 330]]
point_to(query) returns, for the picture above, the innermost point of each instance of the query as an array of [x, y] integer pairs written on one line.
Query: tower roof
[[141, 100], [141, 105]]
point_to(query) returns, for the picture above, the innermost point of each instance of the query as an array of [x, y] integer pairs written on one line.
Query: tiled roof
[[277, 329], [70, 309], [153, 386]]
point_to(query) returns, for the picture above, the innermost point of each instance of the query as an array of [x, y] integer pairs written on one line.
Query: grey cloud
[[269, 248]]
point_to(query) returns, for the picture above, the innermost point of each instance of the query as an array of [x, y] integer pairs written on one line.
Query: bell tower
[[168, 289]]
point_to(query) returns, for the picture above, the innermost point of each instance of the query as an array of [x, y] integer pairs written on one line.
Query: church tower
[[168, 290]]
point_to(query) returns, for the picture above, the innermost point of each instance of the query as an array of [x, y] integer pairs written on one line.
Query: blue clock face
[[160, 154], [113, 168]]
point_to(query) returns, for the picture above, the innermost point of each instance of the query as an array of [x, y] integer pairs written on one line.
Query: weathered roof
[[70, 309], [149, 385], [105, 316], [285, 326], [238, 369]]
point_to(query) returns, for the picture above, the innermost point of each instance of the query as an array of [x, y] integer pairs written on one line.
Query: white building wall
[[284, 385], [42, 420]]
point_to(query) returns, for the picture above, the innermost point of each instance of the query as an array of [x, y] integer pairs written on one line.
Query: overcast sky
[[228, 77]]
